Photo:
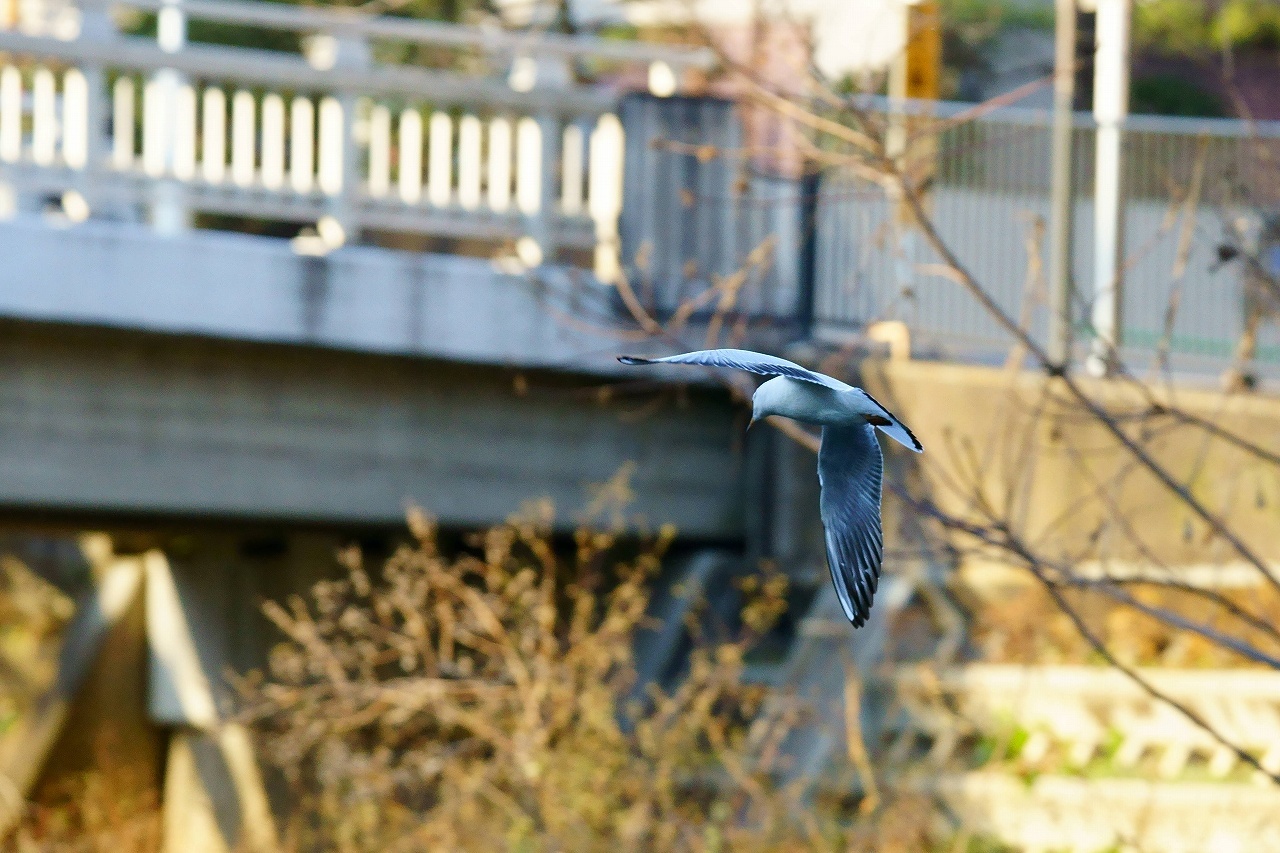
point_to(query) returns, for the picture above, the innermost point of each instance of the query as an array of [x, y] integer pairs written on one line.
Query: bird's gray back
[[811, 403]]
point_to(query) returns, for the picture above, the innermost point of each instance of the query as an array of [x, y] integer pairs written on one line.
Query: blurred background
[[328, 520]]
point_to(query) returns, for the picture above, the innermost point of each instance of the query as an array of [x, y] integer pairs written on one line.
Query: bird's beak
[[752, 423]]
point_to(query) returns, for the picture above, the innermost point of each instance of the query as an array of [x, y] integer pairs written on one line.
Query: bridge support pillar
[[215, 797]]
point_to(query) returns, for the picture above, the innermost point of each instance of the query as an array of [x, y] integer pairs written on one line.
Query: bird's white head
[[771, 398]]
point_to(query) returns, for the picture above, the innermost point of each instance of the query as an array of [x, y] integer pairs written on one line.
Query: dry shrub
[[90, 813], [487, 702], [33, 614], [1026, 627]]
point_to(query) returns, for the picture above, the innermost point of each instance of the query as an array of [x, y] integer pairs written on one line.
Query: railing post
[[1061, 203], [95, 25], [604, 194], [1110, 109], [539, 210], [340, 173], [542, 225], [169, 213], [807, 275]]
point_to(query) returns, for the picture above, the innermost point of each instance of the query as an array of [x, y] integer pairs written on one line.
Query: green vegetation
[[1170, 95], [985, 16], [239, 35], [1247, 23], [1194, 27], [1172, 26]]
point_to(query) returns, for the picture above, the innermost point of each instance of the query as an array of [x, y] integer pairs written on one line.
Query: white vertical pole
[[10, 114], [243, 138], [302, 129], [169, 212], [184, 135], [334, 143], [273, 141], [1110, 109], [44, 117], [572, 171], [410, 175], [1061, 203], [171, 28], [604, 194], [213, 147], [123, 95], [379, 151], [469, 162], [440, 162], [75, 119], [529, 177]]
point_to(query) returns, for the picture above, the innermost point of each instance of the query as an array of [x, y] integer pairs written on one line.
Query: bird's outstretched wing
[[850, 468], [741, 359], [768, 365]]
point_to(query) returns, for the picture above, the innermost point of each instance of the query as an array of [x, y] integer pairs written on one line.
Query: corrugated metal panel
[[695, 210]]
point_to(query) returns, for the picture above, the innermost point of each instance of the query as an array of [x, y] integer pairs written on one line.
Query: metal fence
[[990, 202], [694, 207], [694, 213], [105, 124]]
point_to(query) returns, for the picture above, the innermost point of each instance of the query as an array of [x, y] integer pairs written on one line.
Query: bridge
[[257, 302], [228, 363], [231, 407]]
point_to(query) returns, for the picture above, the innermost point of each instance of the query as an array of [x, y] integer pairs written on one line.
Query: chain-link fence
[[695, 207], [1190, 187]]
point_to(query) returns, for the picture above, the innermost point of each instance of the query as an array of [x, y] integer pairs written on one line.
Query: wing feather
[[895, 428], [850, 469], [741, 359]]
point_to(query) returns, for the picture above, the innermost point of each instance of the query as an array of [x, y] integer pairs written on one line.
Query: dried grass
[[488, 702]]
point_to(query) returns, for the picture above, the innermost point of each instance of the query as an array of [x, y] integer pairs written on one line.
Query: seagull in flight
[[850, 466]]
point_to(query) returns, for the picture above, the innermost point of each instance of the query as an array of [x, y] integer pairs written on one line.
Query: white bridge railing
[[130, 127], [1086, 714], [1081, 758]]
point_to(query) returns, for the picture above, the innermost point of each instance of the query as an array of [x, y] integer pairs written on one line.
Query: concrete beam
[[249, 288], [98, 423]]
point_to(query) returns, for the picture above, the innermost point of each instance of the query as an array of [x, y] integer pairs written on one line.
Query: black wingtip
[[915, 442], [634, 359]]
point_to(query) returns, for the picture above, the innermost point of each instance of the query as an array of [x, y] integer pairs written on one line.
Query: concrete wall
[[108, 423], [1063, 481]]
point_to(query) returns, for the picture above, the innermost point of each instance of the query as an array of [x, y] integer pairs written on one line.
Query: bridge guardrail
[[1091, 713], [132, 127]]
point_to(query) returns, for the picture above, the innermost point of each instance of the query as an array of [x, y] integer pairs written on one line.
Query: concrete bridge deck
[[210, 376]]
